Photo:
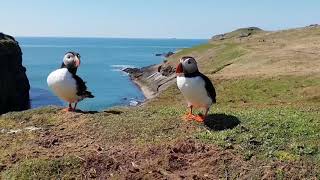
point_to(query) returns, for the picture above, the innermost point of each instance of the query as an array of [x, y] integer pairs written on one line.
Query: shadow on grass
[[117, 112], [86, 112], [113, 112], [219, 122]]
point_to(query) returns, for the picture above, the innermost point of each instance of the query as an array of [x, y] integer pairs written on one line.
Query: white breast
[[63, 85], [194, 91]]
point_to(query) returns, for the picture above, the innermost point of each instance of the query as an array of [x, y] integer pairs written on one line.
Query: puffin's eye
[[189, 62], [68, 57]]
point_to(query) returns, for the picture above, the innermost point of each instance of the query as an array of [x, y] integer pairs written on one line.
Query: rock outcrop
[[152, 79], [239, 33], [14, 84], [133, 72], [166, 69]]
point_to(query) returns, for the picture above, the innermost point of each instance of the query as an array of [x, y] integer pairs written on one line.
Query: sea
[[102, 60]]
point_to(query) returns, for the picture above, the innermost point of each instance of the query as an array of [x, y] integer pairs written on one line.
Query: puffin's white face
[[187, 65], [72, 59]]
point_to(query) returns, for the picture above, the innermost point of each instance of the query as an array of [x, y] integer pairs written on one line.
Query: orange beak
[[179, 68]]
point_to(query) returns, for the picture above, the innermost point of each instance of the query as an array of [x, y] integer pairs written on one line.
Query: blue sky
[[151, 18]]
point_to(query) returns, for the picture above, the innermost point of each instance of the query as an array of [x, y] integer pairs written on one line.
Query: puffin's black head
[[187, 65], [71, 60]]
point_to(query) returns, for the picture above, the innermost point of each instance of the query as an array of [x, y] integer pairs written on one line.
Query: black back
[[81, 87], [208, 84]]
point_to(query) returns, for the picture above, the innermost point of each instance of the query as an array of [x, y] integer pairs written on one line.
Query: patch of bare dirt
[[185, 159]]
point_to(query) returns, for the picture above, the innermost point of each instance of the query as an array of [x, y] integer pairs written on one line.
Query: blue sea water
[[101, 62]]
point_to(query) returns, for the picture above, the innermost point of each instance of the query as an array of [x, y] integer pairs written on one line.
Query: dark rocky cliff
[[14, 84]]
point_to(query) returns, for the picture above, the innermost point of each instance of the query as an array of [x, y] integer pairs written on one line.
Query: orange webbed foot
[[189, 117], [67, 110], [199, 118]]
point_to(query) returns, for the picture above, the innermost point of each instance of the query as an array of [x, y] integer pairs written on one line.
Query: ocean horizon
[[102, 60]]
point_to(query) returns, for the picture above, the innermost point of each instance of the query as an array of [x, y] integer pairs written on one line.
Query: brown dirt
[[185, 159]]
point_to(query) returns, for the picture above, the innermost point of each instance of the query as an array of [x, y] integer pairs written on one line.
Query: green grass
[[197, 49], [289, 90], [285, 89], [278, 120], [226, 54], [229, 51], [141, 124], [65, 168], [220, 55], [35, 117], [284, 133]]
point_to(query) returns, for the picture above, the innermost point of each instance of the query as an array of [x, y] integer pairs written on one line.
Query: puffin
[[66, 84], [196, 88]]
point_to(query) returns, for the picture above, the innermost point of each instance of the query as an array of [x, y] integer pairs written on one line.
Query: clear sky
[[151, 18]]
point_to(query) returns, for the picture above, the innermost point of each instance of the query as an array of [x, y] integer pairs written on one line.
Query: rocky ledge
[[152, 79], [14, 84]]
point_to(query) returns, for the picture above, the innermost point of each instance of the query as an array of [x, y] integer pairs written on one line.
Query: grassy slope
[[269, 82]]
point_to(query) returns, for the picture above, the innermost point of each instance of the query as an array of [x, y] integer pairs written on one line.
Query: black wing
[[209, 87], [82, 88]]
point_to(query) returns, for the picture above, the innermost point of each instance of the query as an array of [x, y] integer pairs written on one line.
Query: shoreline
[[146, 91]]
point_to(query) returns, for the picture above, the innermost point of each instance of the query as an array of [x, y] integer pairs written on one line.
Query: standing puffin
[[196, 88], [66, 84]]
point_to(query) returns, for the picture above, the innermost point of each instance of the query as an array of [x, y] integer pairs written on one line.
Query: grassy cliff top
[[266, 123]]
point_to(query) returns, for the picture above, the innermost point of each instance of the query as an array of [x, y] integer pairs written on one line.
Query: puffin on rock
[[196, 88], [66, 84]]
